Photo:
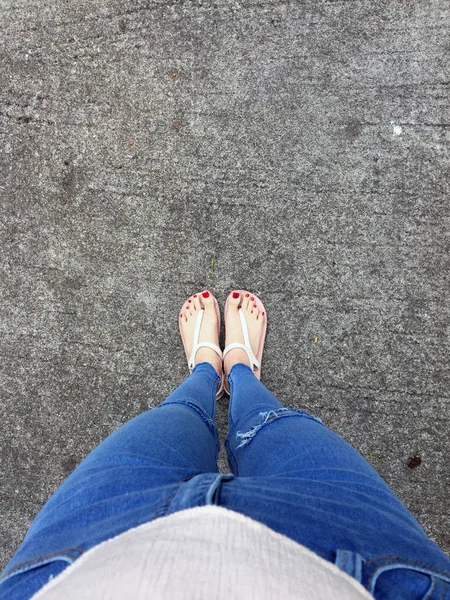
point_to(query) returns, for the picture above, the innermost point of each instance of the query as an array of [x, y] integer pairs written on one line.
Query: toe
[[249, 302], [207, 299], [195, 302], [186, 310], [234, 299]]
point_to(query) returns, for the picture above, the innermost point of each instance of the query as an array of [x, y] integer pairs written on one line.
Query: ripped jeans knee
[[263, 419]]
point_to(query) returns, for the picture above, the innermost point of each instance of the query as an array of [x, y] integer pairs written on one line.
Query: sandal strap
[[198, 325], [210, 345], [252, 358], [245, 330], [197, 345], [246, 346]]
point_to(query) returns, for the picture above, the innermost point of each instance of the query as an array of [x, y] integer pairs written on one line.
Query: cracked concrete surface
[[152, 148]]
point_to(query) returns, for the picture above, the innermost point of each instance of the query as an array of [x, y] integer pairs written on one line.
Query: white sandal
[[255, 361], [196, 345], [245, 346]]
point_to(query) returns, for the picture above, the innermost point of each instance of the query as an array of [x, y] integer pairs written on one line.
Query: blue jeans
[[289, 472]]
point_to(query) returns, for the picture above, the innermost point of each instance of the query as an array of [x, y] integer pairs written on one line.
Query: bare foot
[[233, 328], [209, 331]]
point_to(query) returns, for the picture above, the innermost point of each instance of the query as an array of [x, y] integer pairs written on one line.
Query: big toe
[[207, 299], [234, 299]]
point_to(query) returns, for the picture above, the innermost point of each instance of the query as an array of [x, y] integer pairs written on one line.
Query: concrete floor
[[150, 148]]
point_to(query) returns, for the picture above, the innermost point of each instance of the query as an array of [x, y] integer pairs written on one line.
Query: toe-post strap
[[246, 346], [197, 345]]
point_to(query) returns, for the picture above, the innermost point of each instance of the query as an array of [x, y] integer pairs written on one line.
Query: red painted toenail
[[252, 298], [254, 306], [181, 316], [205, 294], [235, 295], [195, 295], [187, 307], [189, 300], [247, 295], [263, 314]]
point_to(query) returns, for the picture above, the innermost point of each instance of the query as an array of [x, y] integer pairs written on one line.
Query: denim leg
[[180, 432], [179, 435], [266, 438], [246, 392], [306, 482], [164, 445], [129, 479]]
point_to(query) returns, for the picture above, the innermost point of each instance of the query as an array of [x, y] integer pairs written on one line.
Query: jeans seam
[[214, 403], [213, 492], [432, 588], [165, 502], [234, 461], [213, 392], [38, 558], [392, 560], [230, 389], [405, 563]]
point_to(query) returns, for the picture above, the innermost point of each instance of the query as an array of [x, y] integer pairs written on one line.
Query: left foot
[[209, 331]]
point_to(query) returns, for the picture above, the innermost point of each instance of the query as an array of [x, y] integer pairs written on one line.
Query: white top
[[205, 552]]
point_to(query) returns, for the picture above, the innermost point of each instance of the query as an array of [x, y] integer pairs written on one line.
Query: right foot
[[209, 331], [233, 329]]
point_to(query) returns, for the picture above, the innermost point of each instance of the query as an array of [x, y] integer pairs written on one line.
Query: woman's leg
[[296, 442], [293, 440], [306, 482], [180, 433], [131, 477]]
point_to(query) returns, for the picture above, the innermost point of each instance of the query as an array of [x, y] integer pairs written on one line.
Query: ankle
[[210, 357], [235, 357]]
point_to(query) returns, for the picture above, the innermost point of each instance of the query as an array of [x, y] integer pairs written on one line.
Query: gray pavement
[[152, 148]]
